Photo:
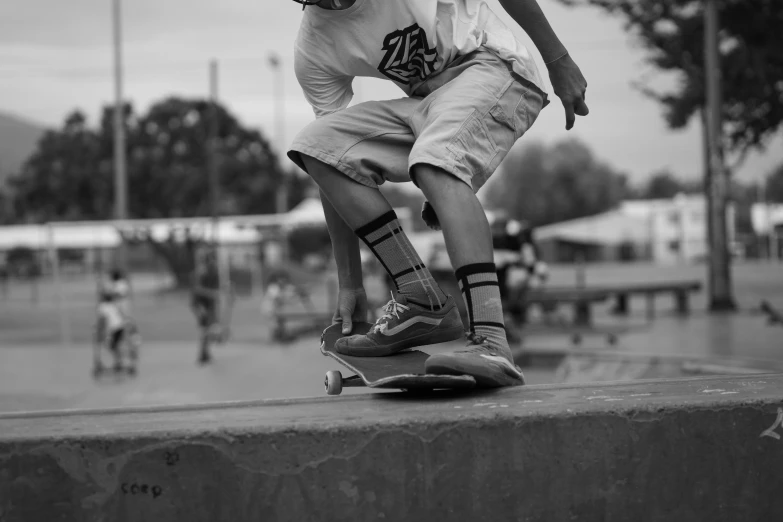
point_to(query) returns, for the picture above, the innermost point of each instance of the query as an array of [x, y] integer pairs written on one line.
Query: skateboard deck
[[404, 370]]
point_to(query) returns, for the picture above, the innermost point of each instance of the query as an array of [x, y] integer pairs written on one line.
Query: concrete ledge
[[695, 449]]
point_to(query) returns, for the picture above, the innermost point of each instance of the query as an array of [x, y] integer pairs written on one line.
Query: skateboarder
[[111, 327], [471, 91], [205, 302], [515, 249]]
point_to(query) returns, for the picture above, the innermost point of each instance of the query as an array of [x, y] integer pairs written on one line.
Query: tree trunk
[[720, 292]]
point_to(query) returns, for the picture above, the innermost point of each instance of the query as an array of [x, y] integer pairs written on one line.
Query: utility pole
[[279, 96], [120, 164], [213, 138], [212, 125], [717, 179]]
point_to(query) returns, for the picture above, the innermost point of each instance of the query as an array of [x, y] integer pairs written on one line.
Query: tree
[[70, 175], [666, 185], [750, 39], [59, 181], [774, 188], [543, 185], [6, 208]]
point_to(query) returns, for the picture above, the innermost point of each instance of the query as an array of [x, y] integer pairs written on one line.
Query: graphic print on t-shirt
[[408, 55]]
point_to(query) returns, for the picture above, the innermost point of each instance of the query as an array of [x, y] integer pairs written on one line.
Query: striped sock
[[479, 285], [386, 239]]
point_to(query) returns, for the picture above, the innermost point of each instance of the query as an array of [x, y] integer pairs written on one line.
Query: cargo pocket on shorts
[[506, 121], [473, 149], [510, 110]]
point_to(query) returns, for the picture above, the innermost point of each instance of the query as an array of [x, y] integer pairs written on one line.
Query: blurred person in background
[[205, 302], [110, 331], [519, 268]]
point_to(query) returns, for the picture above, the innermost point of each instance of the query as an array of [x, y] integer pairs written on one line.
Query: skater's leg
[[424, 314], [367, 212], [204, 353], [115, 342], [469, 243], [203, 315]]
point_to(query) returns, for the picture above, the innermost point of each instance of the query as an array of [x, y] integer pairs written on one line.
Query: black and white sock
[[386, 239], [479, 285]]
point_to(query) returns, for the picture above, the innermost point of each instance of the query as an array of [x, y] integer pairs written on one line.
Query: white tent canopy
[[244, 229]]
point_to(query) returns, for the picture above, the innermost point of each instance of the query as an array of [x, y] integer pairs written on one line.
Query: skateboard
[[404, 370], [774, 316]]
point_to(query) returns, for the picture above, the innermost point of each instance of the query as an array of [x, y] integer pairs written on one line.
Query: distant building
[[767, 222], [663, 231]]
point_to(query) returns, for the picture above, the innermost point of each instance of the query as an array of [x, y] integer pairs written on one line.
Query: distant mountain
[[18, 139]]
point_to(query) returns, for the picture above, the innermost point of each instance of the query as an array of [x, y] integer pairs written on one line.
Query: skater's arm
[[530, 17], [345, 246], [567, 80]]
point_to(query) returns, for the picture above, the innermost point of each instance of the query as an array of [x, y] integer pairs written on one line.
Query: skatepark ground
[[570, 446], [39, 372]]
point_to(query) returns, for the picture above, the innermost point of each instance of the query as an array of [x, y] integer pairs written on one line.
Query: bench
[[680, 291], [581, 299]]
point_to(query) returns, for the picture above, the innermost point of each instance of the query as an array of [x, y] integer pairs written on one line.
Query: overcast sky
[[56, 55]]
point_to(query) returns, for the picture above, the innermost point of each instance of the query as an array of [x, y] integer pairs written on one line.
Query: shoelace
[[476, 343], [391, 309]]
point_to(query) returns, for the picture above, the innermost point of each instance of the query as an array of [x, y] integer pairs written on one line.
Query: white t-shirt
[[121, 290], [112, 315], [406, 41]]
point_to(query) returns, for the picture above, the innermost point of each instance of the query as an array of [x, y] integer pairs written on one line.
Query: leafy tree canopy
[[545, 184], [750, 42], [71, 174]]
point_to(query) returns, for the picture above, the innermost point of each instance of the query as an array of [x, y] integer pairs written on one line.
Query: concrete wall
[[697, 449]]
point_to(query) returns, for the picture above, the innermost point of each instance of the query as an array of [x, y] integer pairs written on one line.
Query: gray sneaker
[[405, 325], [491, 367]]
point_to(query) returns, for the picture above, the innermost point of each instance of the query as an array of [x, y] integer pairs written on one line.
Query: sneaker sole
[[487, 375], [440, 336]]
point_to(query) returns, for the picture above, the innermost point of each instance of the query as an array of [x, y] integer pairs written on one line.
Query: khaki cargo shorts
[[464, 120]]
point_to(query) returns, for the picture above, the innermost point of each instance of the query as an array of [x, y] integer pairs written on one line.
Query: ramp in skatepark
[[685, 449]]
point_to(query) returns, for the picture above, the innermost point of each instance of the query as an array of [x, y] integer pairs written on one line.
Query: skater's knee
[[434, 181], [312, 166], [322, 173]]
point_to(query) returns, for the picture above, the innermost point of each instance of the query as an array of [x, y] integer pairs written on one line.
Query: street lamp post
[[279, 101], [120, 172]]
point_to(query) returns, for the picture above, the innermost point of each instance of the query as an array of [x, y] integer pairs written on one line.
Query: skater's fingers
[[347, 324], [580, 107], [344, 315], [569, 112]]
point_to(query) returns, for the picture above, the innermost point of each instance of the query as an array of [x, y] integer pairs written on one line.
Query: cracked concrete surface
[[655, 450]]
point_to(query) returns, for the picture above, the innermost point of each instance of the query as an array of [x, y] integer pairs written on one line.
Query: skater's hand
[[351, 306], [429, 216], [570, 86]]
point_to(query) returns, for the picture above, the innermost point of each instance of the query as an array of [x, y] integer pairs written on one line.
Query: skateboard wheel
[[333, 383]]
